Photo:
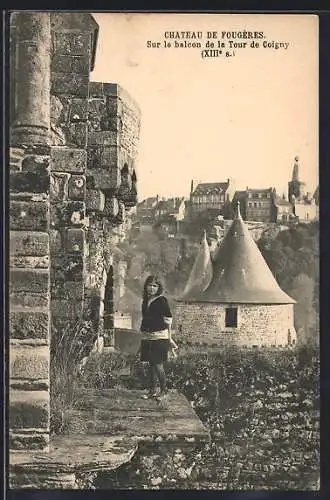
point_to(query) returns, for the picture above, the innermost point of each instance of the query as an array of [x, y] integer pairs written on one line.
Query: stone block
[[103, 138], [73, 84], [22, 299], [72, 43], [96, 89], [94, 157], [106, 180], [30, 441], [111, 89], [58, 111], [110, 157], [28, 325], [36, 164], [78, 110], [64, 214], [38, 480], [30, 385], [37, 149], [65, 159], [29, 182], [30, 262], [77, 187], [77, 134], [96, 107], [69, 309], [115, 124], [28, 409], [59, 182], [28, 243], [71, 64], [75, 240], [112, 104], [68, 290], [67, 267], [16, 156], [111, 208], [95, 200], [92, 305], [25, 280], [27, 362], [29, 215], [55, 241]]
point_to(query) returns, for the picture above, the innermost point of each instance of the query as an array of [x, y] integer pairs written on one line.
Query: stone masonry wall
[[258, 325], [73, 153], [113, 135], [29, 222], [71, 62]]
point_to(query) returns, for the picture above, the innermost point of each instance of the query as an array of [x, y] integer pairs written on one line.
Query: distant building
[[284, 209], [145, 210], [169, 215], [305, 206], [238, 301], [260, 205], [211, 196], [257, 205], [240, 196], [171, 207]]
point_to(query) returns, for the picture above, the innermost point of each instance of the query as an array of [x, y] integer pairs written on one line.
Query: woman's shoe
[[150, 395], [161, 396]]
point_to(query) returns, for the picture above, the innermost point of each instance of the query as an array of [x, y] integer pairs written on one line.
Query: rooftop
[[211, 187], [240, 273]]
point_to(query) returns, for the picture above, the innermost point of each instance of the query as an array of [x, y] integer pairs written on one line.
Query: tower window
[[231, 317]]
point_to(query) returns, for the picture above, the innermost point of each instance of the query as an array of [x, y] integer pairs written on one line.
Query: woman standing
[[156, 334]]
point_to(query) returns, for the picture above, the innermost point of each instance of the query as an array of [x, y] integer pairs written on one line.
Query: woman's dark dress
[[155, 351]]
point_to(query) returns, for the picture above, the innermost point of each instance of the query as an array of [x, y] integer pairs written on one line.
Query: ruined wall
[[258, 325], [72, 183], [114, 129], [72, 58]]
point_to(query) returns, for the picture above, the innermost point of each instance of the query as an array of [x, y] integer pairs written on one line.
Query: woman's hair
[[153, 279]]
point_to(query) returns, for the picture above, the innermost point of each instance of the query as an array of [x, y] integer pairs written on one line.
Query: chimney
[[192, 187]]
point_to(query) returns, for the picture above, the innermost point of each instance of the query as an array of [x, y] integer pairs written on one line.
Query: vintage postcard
[[164, 251]]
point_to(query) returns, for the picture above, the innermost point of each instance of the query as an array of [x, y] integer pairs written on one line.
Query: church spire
[[296, 187], [295, 172]]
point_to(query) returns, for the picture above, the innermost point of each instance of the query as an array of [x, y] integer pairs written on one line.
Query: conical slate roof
[[240, 273], [201, 273]]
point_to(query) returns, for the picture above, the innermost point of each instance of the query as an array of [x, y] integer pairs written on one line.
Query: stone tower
[[243, 305]]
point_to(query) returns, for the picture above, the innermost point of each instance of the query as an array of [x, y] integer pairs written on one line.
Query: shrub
[[70, 342]]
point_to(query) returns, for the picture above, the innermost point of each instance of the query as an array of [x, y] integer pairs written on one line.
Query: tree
[[306, 317]]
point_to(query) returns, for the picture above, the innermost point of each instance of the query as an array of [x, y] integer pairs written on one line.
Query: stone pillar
[[29, 294], [29, 282], [32, 79]]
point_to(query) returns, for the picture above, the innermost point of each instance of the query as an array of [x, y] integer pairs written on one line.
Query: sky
[[243, 117]]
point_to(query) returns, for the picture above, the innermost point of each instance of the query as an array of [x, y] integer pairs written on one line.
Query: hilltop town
[[215, 203]]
